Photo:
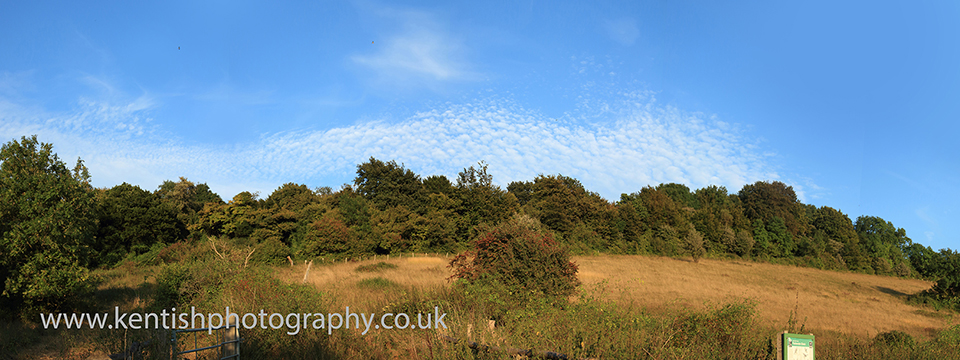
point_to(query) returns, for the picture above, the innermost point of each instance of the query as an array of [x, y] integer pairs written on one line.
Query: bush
[[520, 258], [272, 252], [895, 338], [380, 266]]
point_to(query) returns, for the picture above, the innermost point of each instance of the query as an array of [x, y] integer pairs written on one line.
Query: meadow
[[850, 303], [627, 307]]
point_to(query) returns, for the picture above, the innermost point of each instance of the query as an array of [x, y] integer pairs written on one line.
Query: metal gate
[[225, 340]]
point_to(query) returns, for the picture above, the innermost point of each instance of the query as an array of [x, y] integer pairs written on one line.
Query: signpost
[[796, 346]]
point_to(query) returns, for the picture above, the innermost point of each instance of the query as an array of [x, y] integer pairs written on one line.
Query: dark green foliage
[[680, 194], [518, 257], [766, 200], [882, 242], [438, 184], [480, 201], [744, 243], [291, 196], [271, 251], [835, 236], [630, 225], [131, 221], [328, 235], [781, 239], [187, 199], [948, 273], [522, 190], [380, 266], [762, 243], [47, 225], [661, 209], [923, 259], [388, 185], [895, 338]]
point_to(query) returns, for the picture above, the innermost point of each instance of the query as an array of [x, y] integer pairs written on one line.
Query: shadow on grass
[[890, 291]]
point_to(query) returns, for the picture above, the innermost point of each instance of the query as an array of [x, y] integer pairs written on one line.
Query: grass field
[[855, 304], [633, 307]]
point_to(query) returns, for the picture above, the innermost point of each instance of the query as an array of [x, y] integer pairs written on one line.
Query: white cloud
[[623, 31], [420, 50], [637, 143]]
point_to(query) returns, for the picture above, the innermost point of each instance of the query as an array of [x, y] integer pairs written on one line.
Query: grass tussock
[[380, 266]]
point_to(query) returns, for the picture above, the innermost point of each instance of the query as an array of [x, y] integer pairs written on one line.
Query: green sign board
[[798, 347]]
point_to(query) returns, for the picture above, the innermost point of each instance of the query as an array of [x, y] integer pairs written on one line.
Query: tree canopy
[[47, 225]]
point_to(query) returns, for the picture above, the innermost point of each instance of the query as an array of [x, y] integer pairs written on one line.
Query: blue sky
[[854, 105]]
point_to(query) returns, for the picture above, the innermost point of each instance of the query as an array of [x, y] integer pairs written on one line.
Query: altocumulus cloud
[[634, 142]]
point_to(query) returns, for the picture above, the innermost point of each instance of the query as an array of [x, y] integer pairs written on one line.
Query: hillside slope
[[855, 304]]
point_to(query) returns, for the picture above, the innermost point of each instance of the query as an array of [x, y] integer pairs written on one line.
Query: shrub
[[518, 257], [272, 251], [375, 267], [895, 338]]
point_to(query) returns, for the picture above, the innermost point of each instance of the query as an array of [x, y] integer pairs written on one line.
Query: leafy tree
[[780, 238], [762, 246], [661, 209], [47, 223], [882, 241], [327, 235], [693, 242], [632, 226], [131, 221], [187, 199], [438, 184], [563, 203], [522, 190], [766, 200], [948, 275], [480, 200], [840, 240], [387, 185], [291, 196], [744, 243], [718, 218], [680, 194], [923, 259]]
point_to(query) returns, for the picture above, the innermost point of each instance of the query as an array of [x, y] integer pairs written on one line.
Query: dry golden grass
[[855, 304], [342, 280]]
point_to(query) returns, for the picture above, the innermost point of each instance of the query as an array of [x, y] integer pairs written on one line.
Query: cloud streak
[[638, 143], [421, 50], [623, 31]]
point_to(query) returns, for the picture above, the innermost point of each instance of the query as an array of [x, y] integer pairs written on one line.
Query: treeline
[[51, 216]]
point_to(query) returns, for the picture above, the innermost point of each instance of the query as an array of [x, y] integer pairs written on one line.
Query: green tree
[[291, 196], [563, 203], [631, 215], [840, 238], [387, 185], [680, 194], [480, 201], [188, 199], [883, 242], [693, 243], [131, 221], [766, 200], [47, 223]]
